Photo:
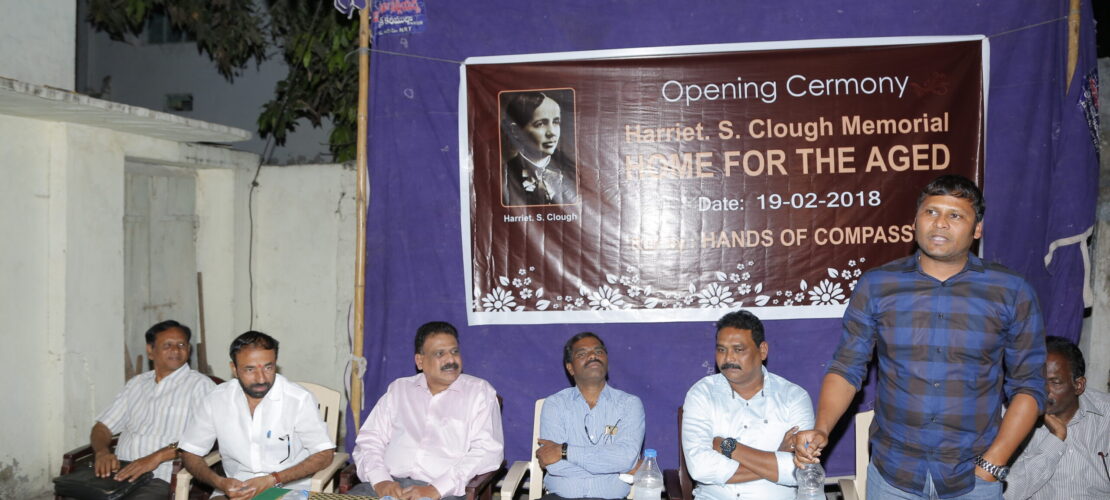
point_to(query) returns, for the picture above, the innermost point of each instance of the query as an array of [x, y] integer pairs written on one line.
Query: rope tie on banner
[[413, 56], [1081, 241], [356, 363], [1029, 26]]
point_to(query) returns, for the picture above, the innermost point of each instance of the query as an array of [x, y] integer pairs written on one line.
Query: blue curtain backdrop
[[1041, 182]]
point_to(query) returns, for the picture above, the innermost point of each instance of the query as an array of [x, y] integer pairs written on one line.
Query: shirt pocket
[[279, 448]]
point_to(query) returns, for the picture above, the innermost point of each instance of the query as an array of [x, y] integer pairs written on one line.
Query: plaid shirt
[[947, 351]]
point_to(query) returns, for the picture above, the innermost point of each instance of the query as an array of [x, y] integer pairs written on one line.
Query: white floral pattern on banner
[[737, 287]]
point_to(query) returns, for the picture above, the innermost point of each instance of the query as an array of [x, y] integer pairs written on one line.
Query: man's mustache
[[595, 360], [727, 366], [450, 366]]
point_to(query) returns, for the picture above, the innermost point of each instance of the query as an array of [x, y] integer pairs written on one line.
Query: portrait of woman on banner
[[537, 162]]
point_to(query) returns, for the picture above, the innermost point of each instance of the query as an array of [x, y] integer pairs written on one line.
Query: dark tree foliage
[[315, 40]]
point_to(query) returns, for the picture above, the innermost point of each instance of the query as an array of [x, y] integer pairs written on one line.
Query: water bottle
[[811, 482], [295, 495], [648, 483]]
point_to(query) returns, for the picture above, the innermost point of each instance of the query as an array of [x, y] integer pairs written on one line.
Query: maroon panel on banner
[[662, 187]]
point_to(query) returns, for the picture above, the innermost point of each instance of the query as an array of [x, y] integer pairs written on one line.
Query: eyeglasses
[[288, 447], [170, 346], [606, 435]]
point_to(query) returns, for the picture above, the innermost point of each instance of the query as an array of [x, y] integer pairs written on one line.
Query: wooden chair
[[855, 488], [331, 412], [679, 484], [532, 467], [479, 487]]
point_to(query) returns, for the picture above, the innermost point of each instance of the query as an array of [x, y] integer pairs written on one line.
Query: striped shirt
[[948, 353], [602, 442], [1049, 469], [149, 415]]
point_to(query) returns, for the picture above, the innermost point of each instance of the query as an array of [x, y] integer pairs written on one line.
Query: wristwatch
[[999, 472], [277, 480], [727, 447], [564, 456]]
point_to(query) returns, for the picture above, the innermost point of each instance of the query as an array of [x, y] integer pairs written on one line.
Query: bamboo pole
[[1073, 41], [360, 231]]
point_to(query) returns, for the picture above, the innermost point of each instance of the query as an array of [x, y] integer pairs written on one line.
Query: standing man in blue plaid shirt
[[955, 338], [589, 433]]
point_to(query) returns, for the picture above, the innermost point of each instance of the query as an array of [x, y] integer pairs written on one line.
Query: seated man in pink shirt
[[431, 432]]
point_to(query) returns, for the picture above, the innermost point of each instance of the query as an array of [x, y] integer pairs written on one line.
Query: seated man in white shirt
[[1064, 457], [431, 432], [269, 428], [736, 424], [150, 413]]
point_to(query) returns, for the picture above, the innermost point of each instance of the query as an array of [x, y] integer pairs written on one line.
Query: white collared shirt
[[284, 430], [712, 409], [149, 415]]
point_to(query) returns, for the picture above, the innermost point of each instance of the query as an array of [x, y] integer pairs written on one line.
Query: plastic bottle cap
[[649, 453]]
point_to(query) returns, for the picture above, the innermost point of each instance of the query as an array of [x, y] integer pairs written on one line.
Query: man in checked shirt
[[955, 338]]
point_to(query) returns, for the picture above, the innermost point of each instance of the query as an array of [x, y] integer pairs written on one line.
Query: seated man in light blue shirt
[[589, 433], [737, 424]]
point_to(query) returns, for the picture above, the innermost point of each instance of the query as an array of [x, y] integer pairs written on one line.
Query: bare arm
[[754, 464], [100, 439], [200, 470], [1016, 425], [146, 464], [836, 394], [308, 466]]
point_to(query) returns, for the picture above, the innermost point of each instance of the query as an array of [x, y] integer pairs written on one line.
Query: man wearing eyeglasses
[[269, 428], [150, 413], [737, 425], [589, 433], [430, 433]]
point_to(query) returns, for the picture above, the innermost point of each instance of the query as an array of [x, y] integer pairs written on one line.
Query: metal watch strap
[[997, 471]]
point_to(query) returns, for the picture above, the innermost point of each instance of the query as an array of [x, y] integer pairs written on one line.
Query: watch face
[[1002, 473]]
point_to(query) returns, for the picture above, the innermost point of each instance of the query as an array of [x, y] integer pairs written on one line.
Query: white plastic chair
[[331, 412], [535, 473], [855, 488]]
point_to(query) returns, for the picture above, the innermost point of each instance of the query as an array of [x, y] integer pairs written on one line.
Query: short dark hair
[[567, 349], [1070, 352], [152, 332], [431, 328], [253, 338], [959, 187], [743, 320]]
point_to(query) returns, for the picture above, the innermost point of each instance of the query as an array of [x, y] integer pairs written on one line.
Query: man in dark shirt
[[954, 337]]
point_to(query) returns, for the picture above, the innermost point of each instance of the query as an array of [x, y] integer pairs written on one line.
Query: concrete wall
[[29, 361], [304, 267], [61, 298], [37, 41], [1095, 341], [142, 74]]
